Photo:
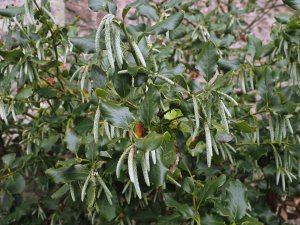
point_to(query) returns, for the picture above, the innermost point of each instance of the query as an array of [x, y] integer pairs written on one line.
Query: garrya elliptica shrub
[[153, 118]]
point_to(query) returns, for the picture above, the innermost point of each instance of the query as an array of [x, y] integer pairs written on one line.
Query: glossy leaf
[[68, 174], [237, 202], [150, 106], [118, 116], [207, 63], [168, 24]]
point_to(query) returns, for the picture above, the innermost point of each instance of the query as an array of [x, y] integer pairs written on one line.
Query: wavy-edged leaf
[[150, 106], [168, 24], [68, 174], [208, 60], [118, 116]]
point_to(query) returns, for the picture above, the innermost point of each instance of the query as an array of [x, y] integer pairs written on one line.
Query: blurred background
[[66, 11]]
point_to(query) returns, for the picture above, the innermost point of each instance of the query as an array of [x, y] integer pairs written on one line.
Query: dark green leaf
[[12, 56], [169, 24], [24, 93], [236, 199], [295, 4], [61, 191], [148, 11], [15, 184], [243, 126], [98, 77], [72, 140], [150, 142], [68, 174], [168, 154], [150, 106], [158, 171], [122, 83], [186, 211], [210, 188], [208, 61], [117, 115], [11, 11], [84, 44]]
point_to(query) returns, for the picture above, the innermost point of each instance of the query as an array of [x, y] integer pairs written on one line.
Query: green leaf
[[227, 65], [98, 77], [91, 194], [84, 44], [97, 5], [72, 140], [210, 188], [223, 137], [117, 115], [212, 219], [48, 143], [150, 142], [47, 92], [8, 159], [61, 191], [68, 174], [107, 210], [168, 154], [168, 24], [287, 108], [158, 171], [103, 5], [15, 184], [148, 11], [173, 114], [122, 83], [236, 199], [11, 11], [12, 56], [208, 60], [254, 45], [150, 106], [188, 185], [186, 211], [24, 93], [295, 4], [243, 126]]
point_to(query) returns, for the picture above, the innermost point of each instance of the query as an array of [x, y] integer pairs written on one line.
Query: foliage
[[152, 118]]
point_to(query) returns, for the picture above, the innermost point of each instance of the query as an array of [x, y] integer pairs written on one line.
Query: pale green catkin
[[118, 48], [271, 128], [105, 188], [99, 30], [197, 117], [288, 123], [85, 185], [29, 11], [209, 151], [139, 54], [145, 171], [131, 165], [136, 180], [229, 98], [108, 43], [96, 125], [72, 192], [121, 161], [3, 113], [223, 118]]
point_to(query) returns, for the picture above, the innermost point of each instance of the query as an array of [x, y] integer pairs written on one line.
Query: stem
[[54, 45], [130, 42]]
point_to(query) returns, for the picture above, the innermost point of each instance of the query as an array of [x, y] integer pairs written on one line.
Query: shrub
[[151, 119]]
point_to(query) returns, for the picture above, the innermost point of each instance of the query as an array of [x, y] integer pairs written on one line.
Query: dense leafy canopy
[[152, 119]]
